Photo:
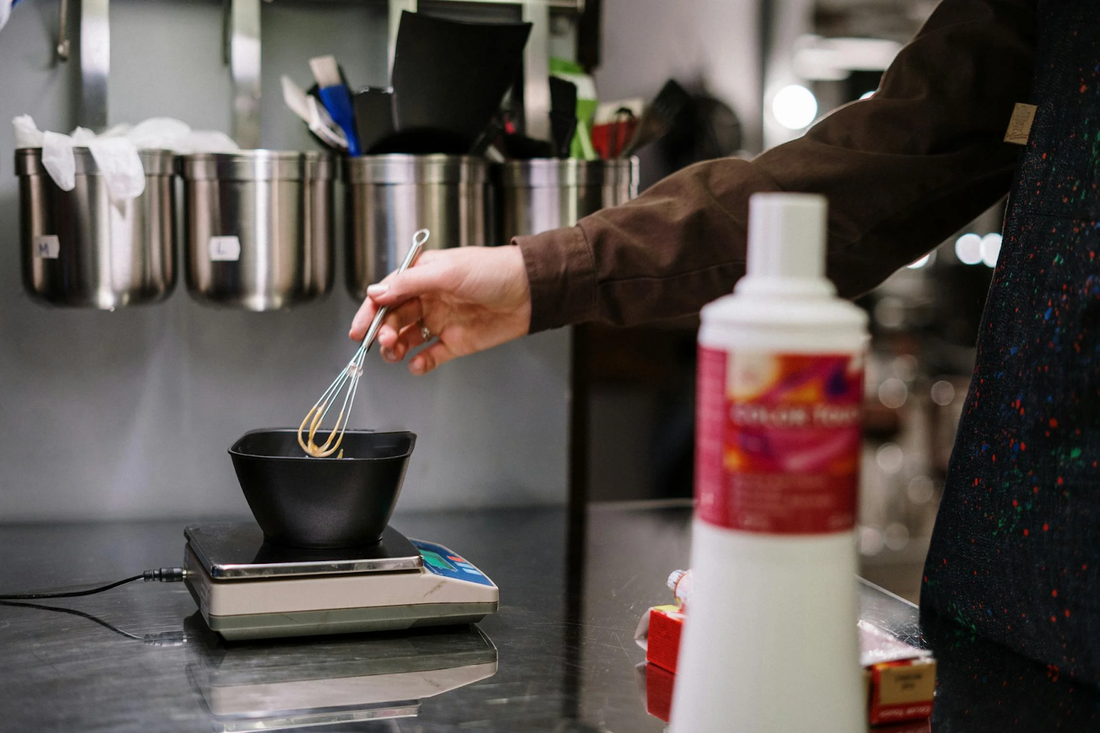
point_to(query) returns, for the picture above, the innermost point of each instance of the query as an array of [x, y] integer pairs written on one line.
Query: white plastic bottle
[[770, 641]]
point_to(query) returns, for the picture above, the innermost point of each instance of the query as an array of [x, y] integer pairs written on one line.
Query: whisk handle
[[419, 239]]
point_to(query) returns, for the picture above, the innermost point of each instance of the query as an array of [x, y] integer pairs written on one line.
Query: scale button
[[435, 560]]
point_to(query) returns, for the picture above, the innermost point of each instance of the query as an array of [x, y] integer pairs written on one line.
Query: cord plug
[[165, 575], [166, 639]]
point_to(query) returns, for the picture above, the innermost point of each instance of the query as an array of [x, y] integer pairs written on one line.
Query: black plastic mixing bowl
[[300, 501]]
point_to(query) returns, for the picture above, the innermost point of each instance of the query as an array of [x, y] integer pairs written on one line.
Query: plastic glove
[[120, 166], [116, 130], [207, 141], [27, 134], [58, 159], [82, 136], [159, 133], [5, 11]]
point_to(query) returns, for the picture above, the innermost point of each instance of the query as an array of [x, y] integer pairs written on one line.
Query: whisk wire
[[348, 377], [321, 409]]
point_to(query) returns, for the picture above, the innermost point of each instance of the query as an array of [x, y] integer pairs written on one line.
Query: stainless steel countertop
[[563, 638]]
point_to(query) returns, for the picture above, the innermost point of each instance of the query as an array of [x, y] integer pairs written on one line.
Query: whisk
[[348, 380]]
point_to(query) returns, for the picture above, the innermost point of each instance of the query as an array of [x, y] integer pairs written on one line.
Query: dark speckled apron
[[1015, 554]]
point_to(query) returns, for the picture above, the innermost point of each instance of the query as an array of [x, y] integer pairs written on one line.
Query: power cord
[[164, 638], [73, 612], [163, 575]]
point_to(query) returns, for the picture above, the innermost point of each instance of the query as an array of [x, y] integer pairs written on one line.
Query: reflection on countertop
[[561, 645], [328, 680]]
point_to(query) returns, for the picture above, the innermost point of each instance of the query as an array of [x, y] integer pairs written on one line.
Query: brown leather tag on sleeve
[[1019, 127]]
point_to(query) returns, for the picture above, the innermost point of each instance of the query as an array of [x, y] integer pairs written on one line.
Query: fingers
[[409, 338], [426, 277], [396, 288], [430, 358], [396, 321]]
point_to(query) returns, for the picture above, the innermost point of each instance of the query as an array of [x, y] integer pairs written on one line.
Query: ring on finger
[[425, 332]]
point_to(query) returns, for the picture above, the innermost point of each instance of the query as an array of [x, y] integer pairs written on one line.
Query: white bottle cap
[[787, 235]]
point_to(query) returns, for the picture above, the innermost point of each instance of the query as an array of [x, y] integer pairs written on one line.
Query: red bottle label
[[778, 441]]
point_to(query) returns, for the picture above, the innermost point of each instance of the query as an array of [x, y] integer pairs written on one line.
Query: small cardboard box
[[658, 691], [913, 726], [659, 634], [900, 691], [899, 679]]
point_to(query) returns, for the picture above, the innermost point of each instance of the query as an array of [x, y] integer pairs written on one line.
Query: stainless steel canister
[[543, 194], [389, 197], [258, 227], [81, 249]]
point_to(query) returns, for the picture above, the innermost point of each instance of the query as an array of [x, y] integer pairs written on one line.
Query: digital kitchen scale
[[247, 588]]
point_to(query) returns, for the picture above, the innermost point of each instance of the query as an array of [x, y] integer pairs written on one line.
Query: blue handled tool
[[336, 98]]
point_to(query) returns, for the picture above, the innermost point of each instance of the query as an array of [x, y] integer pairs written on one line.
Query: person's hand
[[468, 299]]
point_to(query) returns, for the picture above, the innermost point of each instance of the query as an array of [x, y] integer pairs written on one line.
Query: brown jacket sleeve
[[902, 171]]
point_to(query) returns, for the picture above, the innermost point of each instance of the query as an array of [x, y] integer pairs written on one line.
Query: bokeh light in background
[[968, 248], [794, 107], [926, 260], [871, 540], [943, 392], [991, 249], [896, 536], [972, 249], [921, 489], [890, 458], [892, 393]]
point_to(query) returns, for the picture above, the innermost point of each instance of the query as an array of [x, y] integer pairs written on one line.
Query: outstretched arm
[[902, 171]]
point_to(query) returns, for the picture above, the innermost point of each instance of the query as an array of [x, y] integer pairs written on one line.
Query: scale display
[[441, 561]]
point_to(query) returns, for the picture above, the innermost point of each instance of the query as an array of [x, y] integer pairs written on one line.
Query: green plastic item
[[564, 66], [581, 147]]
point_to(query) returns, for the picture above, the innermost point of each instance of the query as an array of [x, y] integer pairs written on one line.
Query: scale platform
[[250, 589]]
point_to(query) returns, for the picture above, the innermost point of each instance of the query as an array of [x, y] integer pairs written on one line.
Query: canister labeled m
[[46, 247]]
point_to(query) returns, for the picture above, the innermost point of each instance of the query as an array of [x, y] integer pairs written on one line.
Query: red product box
[[913, 726], [658, 691], [901, 690], [899, 679], [665, 625]]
